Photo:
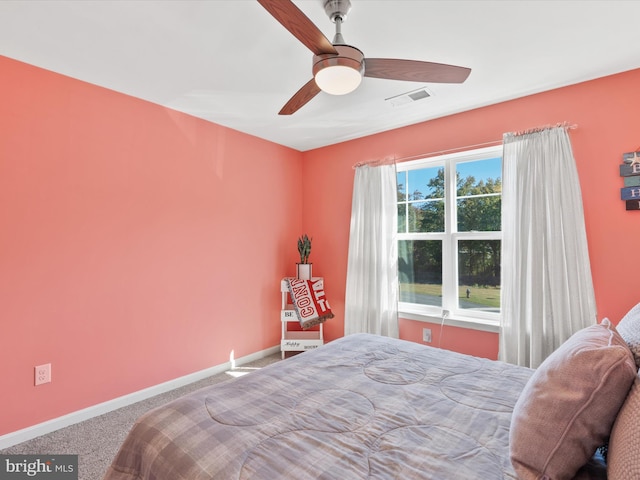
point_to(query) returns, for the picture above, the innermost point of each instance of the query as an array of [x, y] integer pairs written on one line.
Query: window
[[449, 238]]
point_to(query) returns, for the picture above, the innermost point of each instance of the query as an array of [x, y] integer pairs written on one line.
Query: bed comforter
[[359, 407]]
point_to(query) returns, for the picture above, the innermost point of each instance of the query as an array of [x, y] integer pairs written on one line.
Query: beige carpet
[[96, 441]]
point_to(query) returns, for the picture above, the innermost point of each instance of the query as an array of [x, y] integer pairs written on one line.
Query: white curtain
[[547, 291], [371, 298]]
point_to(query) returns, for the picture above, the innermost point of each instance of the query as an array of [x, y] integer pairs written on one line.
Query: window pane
[[402, 217], [402, 184], [421, 200], [426, 183], [479, 275], [420, 271], [479, 184], [479, 214], [426, 216], [479, 176]]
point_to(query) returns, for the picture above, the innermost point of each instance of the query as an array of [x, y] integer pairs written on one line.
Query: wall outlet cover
[[43, 374], [426, 335]]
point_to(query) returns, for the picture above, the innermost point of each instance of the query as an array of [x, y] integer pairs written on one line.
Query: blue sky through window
[[481, 169], [417, 180]]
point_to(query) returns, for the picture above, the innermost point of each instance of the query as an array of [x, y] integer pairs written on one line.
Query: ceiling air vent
[[408, 97]]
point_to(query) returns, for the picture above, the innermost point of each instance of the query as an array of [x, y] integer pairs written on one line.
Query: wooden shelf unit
[[296, 340]]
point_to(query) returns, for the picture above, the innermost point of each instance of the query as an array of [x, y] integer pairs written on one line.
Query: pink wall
[[137, 244], [606, 111], [483, 344], [137, 239]]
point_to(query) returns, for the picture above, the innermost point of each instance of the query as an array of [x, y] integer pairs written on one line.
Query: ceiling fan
[[338, 68]]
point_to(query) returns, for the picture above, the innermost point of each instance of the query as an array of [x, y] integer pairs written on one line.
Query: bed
[[362, 406]]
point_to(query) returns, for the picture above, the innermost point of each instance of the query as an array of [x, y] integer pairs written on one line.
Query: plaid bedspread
[[360, 407]]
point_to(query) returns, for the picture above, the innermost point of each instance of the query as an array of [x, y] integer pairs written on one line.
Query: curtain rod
[[375, 163], [567, 125], [390, 160]]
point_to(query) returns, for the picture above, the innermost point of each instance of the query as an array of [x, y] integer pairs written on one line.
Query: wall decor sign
[[630, 172]]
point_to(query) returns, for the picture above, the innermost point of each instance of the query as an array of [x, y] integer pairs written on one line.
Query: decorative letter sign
[[630, 171]]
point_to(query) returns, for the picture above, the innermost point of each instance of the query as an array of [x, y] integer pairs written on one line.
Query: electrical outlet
[[43, 374], [426, 335]]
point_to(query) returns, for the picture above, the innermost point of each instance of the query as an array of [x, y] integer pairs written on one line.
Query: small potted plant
[[303, 269]]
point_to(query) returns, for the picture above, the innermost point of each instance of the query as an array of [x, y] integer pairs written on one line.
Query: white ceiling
[[230, 62]]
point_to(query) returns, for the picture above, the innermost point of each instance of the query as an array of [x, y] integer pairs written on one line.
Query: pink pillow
[[566, 410], [623, 456]]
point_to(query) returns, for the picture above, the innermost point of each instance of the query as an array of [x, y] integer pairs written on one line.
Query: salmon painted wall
[[606, 112], [137, 244]]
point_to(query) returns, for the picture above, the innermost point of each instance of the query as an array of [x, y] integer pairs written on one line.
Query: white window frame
[[449, 311]]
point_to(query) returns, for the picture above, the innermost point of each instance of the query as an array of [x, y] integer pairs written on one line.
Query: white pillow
[[629, 330]]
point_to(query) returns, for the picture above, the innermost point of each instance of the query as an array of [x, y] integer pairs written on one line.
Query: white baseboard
[[72, 418]]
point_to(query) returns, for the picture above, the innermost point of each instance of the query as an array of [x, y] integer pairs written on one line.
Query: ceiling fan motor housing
[[348, 56], [337, 8]]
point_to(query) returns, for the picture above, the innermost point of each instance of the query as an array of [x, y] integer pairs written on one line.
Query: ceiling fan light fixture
[[339, 74], [338, 79]]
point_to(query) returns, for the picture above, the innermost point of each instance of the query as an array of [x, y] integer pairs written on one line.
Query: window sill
[[481, 324]]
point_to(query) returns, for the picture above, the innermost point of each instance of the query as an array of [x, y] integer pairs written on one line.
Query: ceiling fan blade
[[414, 71], [292, 18], [301, 98]]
